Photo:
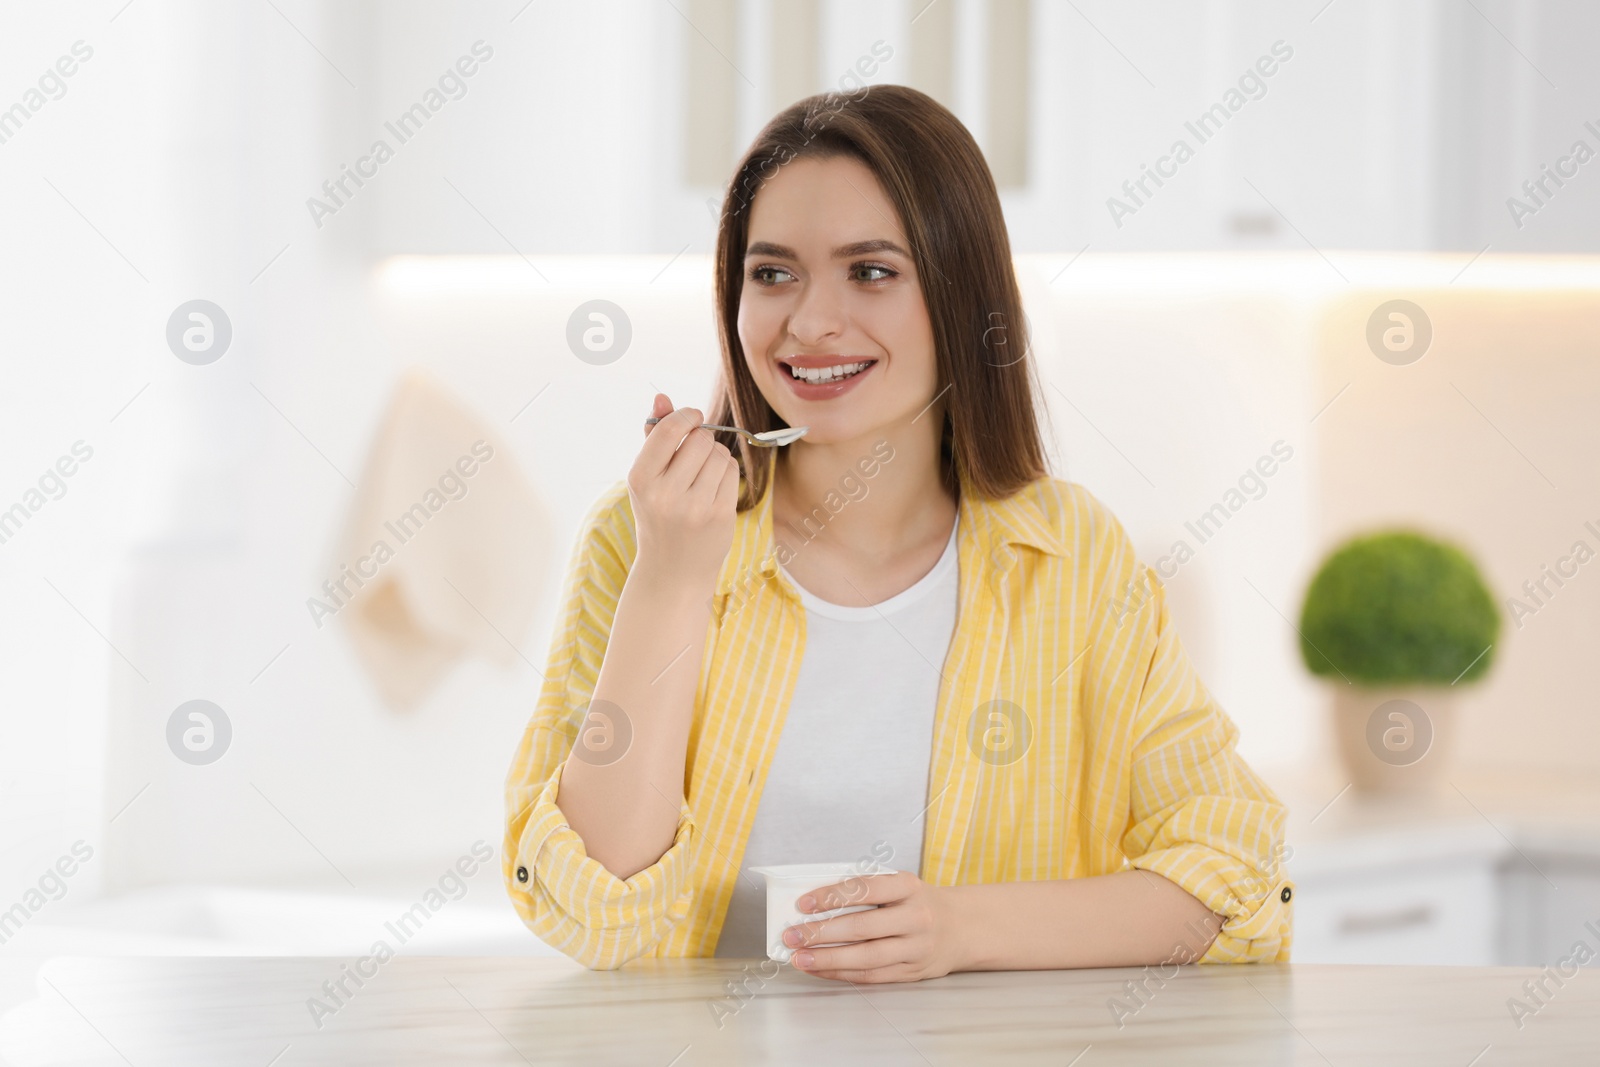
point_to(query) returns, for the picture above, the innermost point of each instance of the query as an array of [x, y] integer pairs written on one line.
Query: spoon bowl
[[777, 438], [787, 435]]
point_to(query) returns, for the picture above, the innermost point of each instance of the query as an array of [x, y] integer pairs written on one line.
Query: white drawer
[[1417, 914]]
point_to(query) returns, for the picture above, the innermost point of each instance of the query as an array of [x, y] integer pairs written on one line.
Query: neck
[[821, 492]]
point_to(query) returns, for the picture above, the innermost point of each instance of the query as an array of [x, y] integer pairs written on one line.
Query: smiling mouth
[[836, 372]]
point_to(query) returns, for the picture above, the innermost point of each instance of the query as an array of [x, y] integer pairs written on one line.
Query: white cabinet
[[1444, 915], [1550, 895], [1447, 893], [1388, 897]]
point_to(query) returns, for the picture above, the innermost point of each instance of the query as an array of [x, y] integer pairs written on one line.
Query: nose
[[819, 315]]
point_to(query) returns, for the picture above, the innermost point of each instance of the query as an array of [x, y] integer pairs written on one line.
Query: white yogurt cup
[[787, 883]]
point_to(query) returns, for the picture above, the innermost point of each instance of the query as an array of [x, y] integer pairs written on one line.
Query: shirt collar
[[1014, 520]]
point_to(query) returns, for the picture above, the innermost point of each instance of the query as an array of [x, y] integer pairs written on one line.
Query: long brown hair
[[939, 183]]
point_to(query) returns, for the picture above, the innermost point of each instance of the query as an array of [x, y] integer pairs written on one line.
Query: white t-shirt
[[849, 779]]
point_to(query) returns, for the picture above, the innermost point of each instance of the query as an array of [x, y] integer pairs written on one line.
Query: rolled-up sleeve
[[570, 900], [1198, 815], [1201, 819]]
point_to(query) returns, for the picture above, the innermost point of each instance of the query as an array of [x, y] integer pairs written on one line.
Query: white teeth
[[816, 375]]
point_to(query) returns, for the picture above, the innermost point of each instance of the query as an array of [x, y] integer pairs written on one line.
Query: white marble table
[[656, 1013]]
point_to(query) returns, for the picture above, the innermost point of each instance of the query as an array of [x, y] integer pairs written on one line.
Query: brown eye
[[760, 275]]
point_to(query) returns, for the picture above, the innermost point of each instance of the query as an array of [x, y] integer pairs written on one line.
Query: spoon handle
[[747, 435], [704, 425]]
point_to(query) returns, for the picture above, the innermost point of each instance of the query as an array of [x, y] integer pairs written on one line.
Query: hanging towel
[[444, 551]]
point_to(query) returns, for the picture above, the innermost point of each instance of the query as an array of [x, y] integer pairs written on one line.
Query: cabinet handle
[[1378, 921]]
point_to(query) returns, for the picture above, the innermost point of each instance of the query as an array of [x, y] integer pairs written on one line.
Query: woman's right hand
[[684, 486]]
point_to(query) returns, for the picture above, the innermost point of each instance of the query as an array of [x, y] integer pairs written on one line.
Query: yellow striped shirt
[[1072, 737]]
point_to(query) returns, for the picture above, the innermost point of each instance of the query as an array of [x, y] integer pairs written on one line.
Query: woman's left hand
[[913, 934]]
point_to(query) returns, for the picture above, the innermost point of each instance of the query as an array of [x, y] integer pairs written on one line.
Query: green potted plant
[[1397, 622]]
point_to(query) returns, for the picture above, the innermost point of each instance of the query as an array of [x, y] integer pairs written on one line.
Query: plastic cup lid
[[820, 870]]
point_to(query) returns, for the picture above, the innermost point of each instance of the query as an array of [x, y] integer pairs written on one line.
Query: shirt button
[[522, 876], [1284, 896]]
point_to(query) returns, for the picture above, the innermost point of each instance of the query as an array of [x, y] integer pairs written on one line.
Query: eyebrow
[[860, 248]]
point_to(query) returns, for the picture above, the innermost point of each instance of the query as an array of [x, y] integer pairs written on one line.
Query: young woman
[[898, 639]]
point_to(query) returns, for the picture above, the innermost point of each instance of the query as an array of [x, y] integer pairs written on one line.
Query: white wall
[[179, 156]]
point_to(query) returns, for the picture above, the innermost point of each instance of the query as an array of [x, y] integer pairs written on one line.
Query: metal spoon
[[765, 439]]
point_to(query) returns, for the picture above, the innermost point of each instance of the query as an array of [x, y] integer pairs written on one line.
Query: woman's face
[[830, 289]]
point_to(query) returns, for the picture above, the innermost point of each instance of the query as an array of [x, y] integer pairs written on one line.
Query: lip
[[822, 390]]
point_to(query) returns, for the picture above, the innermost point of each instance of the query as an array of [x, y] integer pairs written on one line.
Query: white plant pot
[[1394, 740]]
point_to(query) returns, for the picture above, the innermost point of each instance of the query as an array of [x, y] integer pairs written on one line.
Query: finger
[[709, 478], [660, 407], [856, 926], [862, 956], [662, 437], [860, 889], [676, 428], [693, 452]]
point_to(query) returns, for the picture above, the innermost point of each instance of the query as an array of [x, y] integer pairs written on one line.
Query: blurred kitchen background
[[189, 475]]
